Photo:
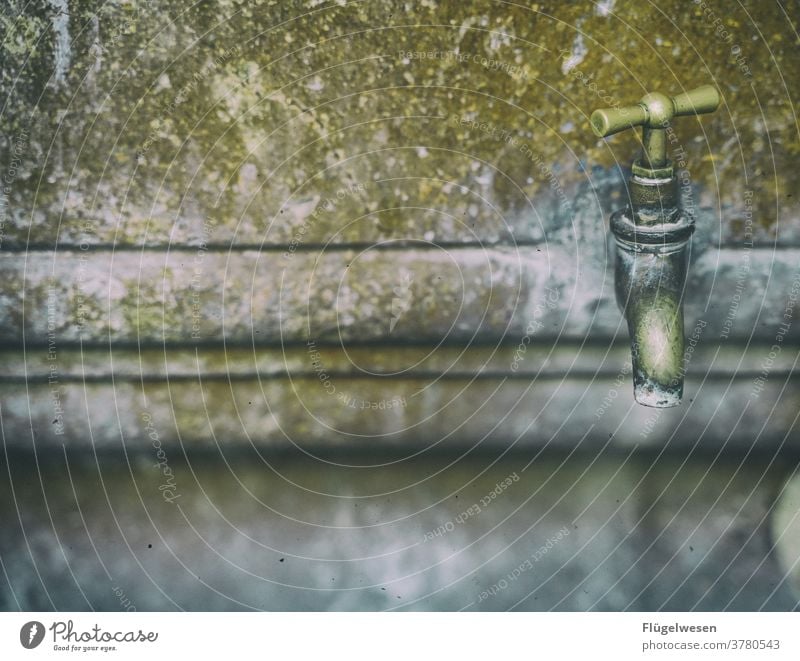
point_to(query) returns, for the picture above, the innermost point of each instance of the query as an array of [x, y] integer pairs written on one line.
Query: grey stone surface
[[456, 295], [560, 397], [636, 533]]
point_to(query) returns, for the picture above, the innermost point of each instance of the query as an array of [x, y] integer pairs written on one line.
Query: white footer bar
[[399, 636]]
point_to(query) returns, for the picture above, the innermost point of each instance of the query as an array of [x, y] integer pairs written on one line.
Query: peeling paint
[[63, 47]]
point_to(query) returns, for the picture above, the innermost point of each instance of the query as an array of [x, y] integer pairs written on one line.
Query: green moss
[[239, 111], [148, 310]]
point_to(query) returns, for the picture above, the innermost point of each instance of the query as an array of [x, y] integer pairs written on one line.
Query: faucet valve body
[[651, 238], [650, 276]]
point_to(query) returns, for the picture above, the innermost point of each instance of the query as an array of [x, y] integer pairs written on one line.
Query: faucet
[[651, 237]]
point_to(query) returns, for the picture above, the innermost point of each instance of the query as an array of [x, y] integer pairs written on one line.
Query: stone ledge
[[341, 414], [458, 295]]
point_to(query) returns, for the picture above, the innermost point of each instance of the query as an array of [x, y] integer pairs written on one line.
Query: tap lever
[[655, 110], [653, 113], [698, 101], [608, 121]]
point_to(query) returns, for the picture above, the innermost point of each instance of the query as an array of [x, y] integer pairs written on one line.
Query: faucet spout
[[650, 278]]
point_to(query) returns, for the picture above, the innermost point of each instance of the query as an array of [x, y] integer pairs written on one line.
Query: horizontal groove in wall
[[417, 376], [385, 245], [560, 360]]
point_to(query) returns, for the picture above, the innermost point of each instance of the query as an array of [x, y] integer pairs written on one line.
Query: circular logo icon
[[31, 634]]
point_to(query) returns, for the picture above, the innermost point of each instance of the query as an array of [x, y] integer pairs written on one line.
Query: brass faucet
[[652, 234]]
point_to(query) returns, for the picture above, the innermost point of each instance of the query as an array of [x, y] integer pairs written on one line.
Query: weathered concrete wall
[[298, 535], [457, 295], [189, 193], [401, 401], [140, 123]]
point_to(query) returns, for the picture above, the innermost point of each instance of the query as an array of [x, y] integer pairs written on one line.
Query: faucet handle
[[654, 112], [608, 121], [699, 101]]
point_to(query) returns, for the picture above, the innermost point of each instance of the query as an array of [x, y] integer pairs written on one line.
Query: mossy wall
[[155, 122]]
